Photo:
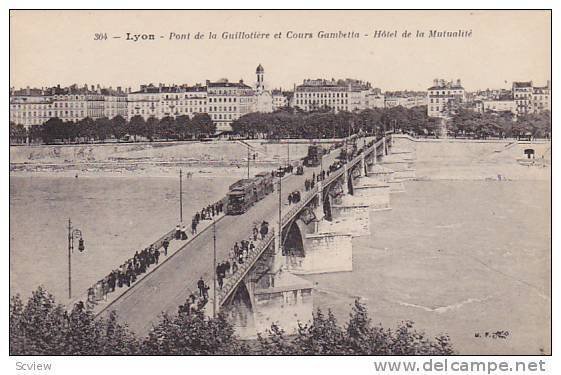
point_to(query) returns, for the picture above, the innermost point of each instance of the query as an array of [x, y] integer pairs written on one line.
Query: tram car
[[266, 181], [313, 159], [241, 196], [245, 193]]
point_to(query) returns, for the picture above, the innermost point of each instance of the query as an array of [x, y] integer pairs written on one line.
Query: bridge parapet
[[232, 281], [333, 176], [298, 206]]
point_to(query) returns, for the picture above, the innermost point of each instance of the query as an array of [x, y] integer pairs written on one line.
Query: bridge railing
[[234, 279], [333, 176], [298, 206]]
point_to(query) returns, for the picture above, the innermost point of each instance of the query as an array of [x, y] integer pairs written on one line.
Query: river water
[[456, 257], [117, 216]]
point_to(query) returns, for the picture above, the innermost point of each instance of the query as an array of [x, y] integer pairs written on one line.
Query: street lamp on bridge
[[73, 233], [280, 210]]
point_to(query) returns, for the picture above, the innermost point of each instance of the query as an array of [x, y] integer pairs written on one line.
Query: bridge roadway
[[287, 215], [168, 286]]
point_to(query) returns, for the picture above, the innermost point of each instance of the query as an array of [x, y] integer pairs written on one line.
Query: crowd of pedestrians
[[207, 213], [239, 253], [294, 197], [127, 273]]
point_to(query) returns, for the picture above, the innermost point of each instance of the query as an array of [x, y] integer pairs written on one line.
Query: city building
[[340, 95], [406, 99], [263, 97], [161, 101], [228, 101], [497, 105], [530, 99], [541, 98], [444, 98], [522, 92], [115, 103], [280, 99], [30, 107], [375, 99]]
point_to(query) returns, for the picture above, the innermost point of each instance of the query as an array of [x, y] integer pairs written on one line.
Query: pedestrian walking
[[156, 255], [236, 249], [205, 296], [183, 233], [165, 245], [264, 229], [178, 232], [201, 286]]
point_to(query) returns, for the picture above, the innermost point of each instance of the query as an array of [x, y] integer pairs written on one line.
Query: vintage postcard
[[290, 182]]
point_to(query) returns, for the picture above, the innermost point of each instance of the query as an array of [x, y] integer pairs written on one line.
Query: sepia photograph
[[280, 183]]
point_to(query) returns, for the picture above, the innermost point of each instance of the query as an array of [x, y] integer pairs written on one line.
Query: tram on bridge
[[245, 193]]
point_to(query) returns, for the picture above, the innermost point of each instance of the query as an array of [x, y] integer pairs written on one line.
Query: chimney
[[458, 82]]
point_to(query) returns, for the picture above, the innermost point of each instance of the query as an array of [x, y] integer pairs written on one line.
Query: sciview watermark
[[450, 365]]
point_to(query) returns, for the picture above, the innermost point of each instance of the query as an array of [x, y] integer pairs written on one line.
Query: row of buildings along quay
[[226, 101]]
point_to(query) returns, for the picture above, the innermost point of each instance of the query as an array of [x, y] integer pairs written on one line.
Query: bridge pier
[[324, 252], [402, 162], [286, 304], [384, 175], [269, 294], [373, 193], [351, 217]]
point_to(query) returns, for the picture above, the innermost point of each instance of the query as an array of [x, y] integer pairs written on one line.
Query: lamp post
[[73, 233], [180, 196], [288, 152], [214, 267], [280, 211], [248, 161]]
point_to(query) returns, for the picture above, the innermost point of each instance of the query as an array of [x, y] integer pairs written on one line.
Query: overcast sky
[[58, 47]]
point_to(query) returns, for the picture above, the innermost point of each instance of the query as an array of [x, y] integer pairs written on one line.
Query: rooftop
[[521, 84]]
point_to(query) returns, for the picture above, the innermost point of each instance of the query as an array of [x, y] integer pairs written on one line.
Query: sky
[[58, 47]]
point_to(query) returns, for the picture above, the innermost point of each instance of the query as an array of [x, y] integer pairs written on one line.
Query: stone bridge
[[313, 236]]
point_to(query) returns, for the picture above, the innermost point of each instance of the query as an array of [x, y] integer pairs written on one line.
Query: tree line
[[43, 327], [86, 130], [289, 123], [499, 124], [324, 123]]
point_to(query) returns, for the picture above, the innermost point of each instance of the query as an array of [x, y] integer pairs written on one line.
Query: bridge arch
[[293, 243], [327, 203], [239, 308]]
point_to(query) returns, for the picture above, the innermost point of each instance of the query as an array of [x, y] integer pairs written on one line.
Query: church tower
[[260, 72]]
